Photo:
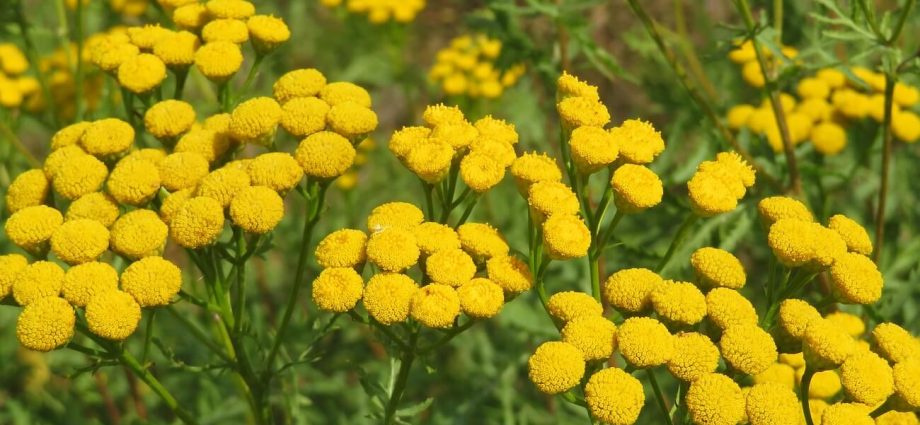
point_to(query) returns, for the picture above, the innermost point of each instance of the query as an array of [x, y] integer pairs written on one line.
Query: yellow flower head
[[46, 324], [770, 403], [578, 111], [218, 61], [592, 148], [566, 237], [452, 267], [303, 116], [856, 279], [433, 237], [533, 167], [482, 241], [94, 206], [481, 171], [638, 140], [106, 137], [907, 394], [267, 32], [847, 414], [855, 236], [547, 198], [726, 175], [59, 157], [510, 273], [340, 92], [138, 234], [337, 289], [718, 268], [568, 85], [825, 345], [177, 50], [113, 315], [851, 323], [556, 367], [257, 209], [813, 87], [435, 115], [435, 306], [393, 249], [27, 190], [230, 9], [694, 356], [79, 241], [169, 118], [497, 130], [614, 397], [230, 30], [134, 182], [906, 126], [30, 227], [778, 374], [727, 308], [401, 215], [792, 241], [174, 202], [430, 160], [594, 335], [404, 139], [82, 282], [459, 134], [867, 378], [828, 138], [645, 342], [738, 116], [69, 135], [715, 399], [12, 60], [569, 305], [636, 188], [630, 289], [351, 120], [142, 73], [11, 265], [146, 36], [501, 153], [325, 155], [709, 194], [298, 83], [342, 248], [223, 185], [198, 223], [679, 303], [78, 176], [112, 53], [182, 170], [748, 348], [897, 418], [388, 296], [153, 155], [894, 343], [255, 120], [152, 281], [480, 298], [207, 143], [277, 170], [795, 315], [795, 360], [776, 208], [38, 280]]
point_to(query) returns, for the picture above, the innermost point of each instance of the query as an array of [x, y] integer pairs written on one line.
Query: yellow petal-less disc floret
[[38, 280], [106, 137], [169, 118], [82, 282], [267, 32], [709, 194], [867, 378], [138, 234], [337, 289], [777, 373], [80, 241], [497, 130], [569, 305], [897, 418], [435, 115], [533, 167], [340, 92], [325, 155], [146, 36], [482, 241], [568, 85], [772, 404], [198, 223], [679, 303], [257, 209], [69, 135], [547, 198], [94, 206], [795, 315], [847, 414], [727, 308], [435, 306], [230, 9], [592, 148], [430, 160], [594, 335], [792, 241], [174, 202], [556, 367], [30, 227], [824, 385], [638, 140], [134, 182], [694, 356], [78, 176], [152, 281], [776, 208], [894, 343], [748, 348], [907, 395], [142, 73], [255, 120], [46, 324], [351, 120], [510, 273], [452, 267], [480, 298], [388, 296], [855, 236], [630, 289], [230, 30], [645, 342], [718, 268], [459, 134], [433, 237], [578, 111], [182, 170], [402, 215], [218, 61], [303, 116], [614, 397], [224, 185], [715, 399], [298, 83], [177, 50], [856, 279], [825, 345], [277, 170], [60, 157], [113, 315], [566, 237], [481, 171], [11, 265], [342, 248], [850, 323], [828, 138], [393, 249], [27, 190], [208, 143]]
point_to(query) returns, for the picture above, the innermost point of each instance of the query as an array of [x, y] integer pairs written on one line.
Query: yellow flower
[[393, 249], [645, 342], [748, 348], [894, 343], [351, 120], [727, 308], [435, 115], [795, 315], [174, 202], [776, 208], [718, 268], [113, 315], [568, 85], [177, 50], [337, 289], [267, 32], [824, 384], [94, 206], [340, 92], [11, 265], [82, 282], [153, 155], [555, 367], [795, 360], [277, 170], [137, 234], [497, 130], [79, 241], [480, 298], [709, 194], [388, 296], [547, 198], [223, 185], [578, 111], [459, 134], [169, 118], [152, 281], [638, 140], [534, 167], [594, 335], [907, 395], [78, 176], [69, 135], [856, 279], [230, 30], [817, 110], [27, 190], [566, 237], [792, 241], [218, 61], [298, 83], [182, 170], [435, 306], [614, 397], [592, 148], [207, 143], [636, 188], [630, 290], [569, 305], [852, 324], [777, 374], [828, 138], [906, 126], [715, 399], [694, 356], [738, 116], [46, 324], [510, 273], [59, 157], [813, 87], [433, 237], [342, 248], [481, 172], [401, 215], [145, 37], [770, 403], [867, 378], [679, 303], [12, 60], [825, 345], [847, 414], [198, 223], [325, 155], [855, 236], [134, 182], [230, 9], [430, 160], [30, 227], [142, 73], [897, 418], [255, 120], [105, 137], [303, 116], [404, 139], [257, 209], [452, 267], [482, 241], [38, 280], [109, 56]]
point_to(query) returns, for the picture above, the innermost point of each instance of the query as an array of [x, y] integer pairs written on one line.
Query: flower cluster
[[381, 11], [16, 88], [718, 185], [467, 67]]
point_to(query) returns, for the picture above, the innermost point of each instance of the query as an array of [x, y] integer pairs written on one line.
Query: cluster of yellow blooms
[[130, 201], [381, 11], [467, 68], [15, 87], [824, 105]]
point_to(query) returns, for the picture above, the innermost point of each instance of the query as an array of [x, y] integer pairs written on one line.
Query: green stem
[[240, 268], [803, 394], [250, 77], [677, 241], [886, 165], [457, 330], [905, 12], [429, 202], [181, 77], [128, 360], [78, 34], [201, 336], [659, 396], [883, 409], [32, 54], [469, 210], [148, 335], [402, 377], [608, 232]]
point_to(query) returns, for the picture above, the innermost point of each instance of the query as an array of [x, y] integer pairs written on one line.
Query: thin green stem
[[604, 237], [778, 20], [429, 202], [659, 396], [803, 394], [457, 330], [870, 18], [678, 240], [402, 378], [905, 12], [33, 56], [128, 360], [148, 335], [471, 203], [78, 84], [181, 78], [14, 140], [250, 77], [201, 336]]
